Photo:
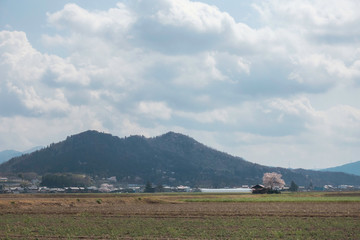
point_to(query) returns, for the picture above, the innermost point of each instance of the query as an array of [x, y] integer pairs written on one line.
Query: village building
[[259, 189]]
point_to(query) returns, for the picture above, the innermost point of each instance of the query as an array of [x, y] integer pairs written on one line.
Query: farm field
[[180, 216]]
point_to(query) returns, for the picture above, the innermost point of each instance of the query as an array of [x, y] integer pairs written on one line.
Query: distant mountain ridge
[[350, 168], [171, 158], [8, 154]]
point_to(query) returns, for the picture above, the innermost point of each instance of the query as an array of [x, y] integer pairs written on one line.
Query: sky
[[276, 82]]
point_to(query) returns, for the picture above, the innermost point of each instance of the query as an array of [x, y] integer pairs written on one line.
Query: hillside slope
[[350, 168], [171, 158]]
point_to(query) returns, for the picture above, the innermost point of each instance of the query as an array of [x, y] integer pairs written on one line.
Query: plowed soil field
[[180, 216]]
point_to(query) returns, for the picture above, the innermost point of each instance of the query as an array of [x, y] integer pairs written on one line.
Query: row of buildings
[[110, 185]]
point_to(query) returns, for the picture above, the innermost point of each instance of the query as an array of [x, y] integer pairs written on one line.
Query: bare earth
[[169, 211]]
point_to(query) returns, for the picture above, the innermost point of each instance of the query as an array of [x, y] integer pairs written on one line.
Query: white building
[[225, 190]]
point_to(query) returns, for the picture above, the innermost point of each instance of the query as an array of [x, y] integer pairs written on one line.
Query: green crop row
[[116, 227]]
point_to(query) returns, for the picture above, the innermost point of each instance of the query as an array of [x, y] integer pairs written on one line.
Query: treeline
[[60, 180]]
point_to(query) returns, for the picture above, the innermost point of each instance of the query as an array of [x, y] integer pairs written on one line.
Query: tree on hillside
[[65, 180], [273, 180], [293, 187]]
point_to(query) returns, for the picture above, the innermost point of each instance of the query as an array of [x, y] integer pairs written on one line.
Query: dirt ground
[[142, 216], [169, 206]]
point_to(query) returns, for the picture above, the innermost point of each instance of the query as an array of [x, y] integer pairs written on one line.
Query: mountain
[[171, 158], [8, 154], [350, 168]]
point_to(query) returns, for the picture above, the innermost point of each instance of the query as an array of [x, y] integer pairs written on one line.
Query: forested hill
[[171, 158]]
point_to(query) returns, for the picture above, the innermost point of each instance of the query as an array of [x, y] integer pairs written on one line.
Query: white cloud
[[146, 67], [194, 15], [18, 55], [115, 20], [314, 13], [217, 115], [300, 107], [155, 110], [22, 71], [326, 139], [171, 27], [343, 122], [320, 39]]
